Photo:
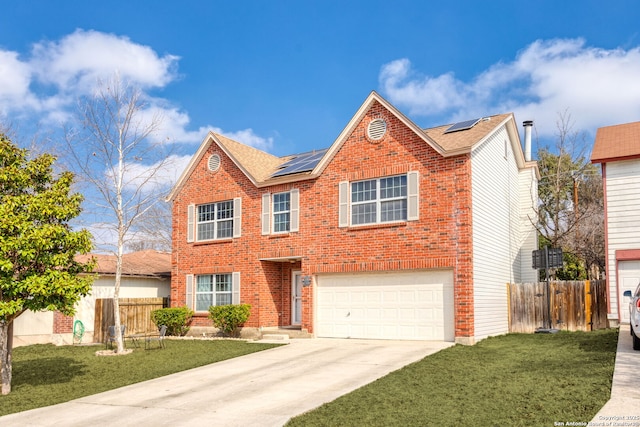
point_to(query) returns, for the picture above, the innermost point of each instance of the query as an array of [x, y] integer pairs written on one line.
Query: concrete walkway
[[623, 409], [260, 389]]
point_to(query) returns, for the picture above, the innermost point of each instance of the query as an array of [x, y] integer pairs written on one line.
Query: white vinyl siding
[[499, 250], [622, 186]]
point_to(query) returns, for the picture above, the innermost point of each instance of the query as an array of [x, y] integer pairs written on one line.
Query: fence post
[[587, 305]]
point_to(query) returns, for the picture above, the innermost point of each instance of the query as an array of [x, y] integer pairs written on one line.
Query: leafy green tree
[[37, 245]]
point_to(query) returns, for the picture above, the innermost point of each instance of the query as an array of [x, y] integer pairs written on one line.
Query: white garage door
[[404, 306], [629, 277]]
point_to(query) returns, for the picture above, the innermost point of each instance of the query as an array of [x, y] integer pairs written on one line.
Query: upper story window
[[214, 221], [378, 201], [280, 212]]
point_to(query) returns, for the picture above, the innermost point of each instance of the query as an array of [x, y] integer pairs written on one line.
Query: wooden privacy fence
[[134, 312], [574, 306]]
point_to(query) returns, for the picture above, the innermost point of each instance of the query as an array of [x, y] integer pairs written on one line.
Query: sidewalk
[[623, 409]]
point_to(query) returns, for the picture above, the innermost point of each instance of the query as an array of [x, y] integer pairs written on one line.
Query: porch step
[[293, 333], [276, 338]]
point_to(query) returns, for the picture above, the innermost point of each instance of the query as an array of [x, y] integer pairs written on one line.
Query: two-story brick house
[[393, 232]]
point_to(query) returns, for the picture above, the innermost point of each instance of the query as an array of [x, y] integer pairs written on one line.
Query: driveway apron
[[266, 388]]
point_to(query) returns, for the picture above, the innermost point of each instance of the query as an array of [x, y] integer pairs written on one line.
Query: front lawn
[[511, 380], [44, 375]]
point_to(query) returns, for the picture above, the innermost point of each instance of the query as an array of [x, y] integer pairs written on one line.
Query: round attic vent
[[214, 162], [376, 130]]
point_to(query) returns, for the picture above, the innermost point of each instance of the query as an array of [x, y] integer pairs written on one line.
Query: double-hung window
[[280, 212], [378, 201], [214, 221], [206, 290], [212, 289]]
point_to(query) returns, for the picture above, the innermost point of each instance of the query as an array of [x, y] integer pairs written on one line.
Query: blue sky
[[287, 76]]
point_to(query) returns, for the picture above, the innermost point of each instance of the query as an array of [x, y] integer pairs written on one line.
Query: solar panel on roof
[[304, 162], [467, 124]]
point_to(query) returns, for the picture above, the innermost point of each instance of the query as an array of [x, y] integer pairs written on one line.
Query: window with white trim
[[213, 221], [206, 290], [213, 289], [379, 201], [280, 212]]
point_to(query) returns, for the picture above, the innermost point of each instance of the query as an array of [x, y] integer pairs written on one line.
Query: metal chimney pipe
[[528, 124]]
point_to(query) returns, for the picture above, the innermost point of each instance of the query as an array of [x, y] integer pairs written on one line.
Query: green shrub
[[176, 319], [228, 318]]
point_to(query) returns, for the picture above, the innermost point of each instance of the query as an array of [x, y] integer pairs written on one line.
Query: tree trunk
[[6, 346]]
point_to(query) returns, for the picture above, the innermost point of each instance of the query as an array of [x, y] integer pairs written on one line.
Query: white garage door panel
[[414, 306], [629, 277]]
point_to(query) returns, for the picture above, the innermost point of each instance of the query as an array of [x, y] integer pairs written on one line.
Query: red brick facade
[[441, 238], [62, 324]]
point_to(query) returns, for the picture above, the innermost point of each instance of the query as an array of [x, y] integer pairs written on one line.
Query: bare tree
[[570, 209], [153, 231], [113, 147]]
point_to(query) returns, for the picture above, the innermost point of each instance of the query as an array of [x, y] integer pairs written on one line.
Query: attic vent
[[376, 130], [214, 162]]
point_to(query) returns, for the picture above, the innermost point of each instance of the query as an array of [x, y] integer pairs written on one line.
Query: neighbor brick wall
[[440, 239], [62, 324]]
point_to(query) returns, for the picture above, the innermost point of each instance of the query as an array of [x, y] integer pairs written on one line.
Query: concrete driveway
[[624, 406], [262, 389]]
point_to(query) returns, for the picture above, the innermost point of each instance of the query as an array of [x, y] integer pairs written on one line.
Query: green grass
[[45, 374], [511, 380]]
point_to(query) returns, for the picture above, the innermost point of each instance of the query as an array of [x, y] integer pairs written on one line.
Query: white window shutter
[[191, 223], [266, 213], [295, 210], [189, 291], [413, 196], [343, 204], [237, 217], [235, 288]]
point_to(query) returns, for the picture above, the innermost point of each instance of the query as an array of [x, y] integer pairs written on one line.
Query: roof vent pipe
[[528, 124]]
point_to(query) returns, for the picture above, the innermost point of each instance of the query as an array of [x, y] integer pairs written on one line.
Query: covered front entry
[[414, 305]]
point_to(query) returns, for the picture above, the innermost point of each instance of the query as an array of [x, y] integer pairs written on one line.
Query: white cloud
[[49, 80], [597, 86], [47, 83], [78, 60], [157, 177]]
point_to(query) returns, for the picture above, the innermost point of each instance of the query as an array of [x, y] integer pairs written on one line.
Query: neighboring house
[[393, 232], [145, 274], [617, 149]]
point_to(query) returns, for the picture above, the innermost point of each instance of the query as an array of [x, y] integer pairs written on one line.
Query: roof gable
[[263, 168], [616, 142]]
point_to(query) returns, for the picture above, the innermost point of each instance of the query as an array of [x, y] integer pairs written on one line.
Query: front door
[[296, 298]]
